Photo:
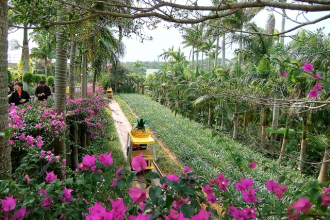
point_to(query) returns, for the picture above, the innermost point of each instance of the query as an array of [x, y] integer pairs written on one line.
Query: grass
[[118, 161], [164, 161], [193, 145]]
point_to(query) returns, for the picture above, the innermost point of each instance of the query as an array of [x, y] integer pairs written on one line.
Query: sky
[[164, 38]]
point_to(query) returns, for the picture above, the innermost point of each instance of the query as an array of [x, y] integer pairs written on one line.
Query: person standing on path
[[19, 96], [42, 91]]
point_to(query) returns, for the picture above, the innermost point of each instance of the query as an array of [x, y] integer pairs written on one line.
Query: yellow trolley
[[109, 93], [136, 145]]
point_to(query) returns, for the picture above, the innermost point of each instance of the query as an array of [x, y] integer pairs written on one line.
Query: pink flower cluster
[[8, 204], [27, 140], [89, 162], [277, 190], [99, 212]]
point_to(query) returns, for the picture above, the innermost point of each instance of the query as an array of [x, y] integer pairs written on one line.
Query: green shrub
[[10, 77], [43, 77], [28, 77], [50, 80], [36, 78]]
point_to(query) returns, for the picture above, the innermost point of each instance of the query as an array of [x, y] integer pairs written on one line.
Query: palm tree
[[237, 21], [5, 159], [208, 46], [137, 65], [60, 95], [44, 50]]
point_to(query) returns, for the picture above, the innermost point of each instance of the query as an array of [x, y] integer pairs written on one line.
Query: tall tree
[[5, 159], [84, 71], [60, 83]]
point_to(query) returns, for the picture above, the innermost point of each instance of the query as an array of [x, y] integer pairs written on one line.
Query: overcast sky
[[165, 38]]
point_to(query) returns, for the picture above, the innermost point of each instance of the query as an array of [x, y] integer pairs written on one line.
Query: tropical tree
[[5, 159]]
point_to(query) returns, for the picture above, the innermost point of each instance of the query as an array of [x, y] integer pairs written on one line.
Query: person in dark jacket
[[19, 96], [42, 91]]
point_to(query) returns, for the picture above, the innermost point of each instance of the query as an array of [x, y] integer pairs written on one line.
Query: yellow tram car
[[109, 93], [140, 141]]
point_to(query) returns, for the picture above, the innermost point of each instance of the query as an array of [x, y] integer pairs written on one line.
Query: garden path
[[123, 126]]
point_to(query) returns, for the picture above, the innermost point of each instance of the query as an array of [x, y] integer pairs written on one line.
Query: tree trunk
[[83, 138], [235, 123], [210, 114], [240, 49], [5, 158], [263, 126], [60, 95], [25, 51], [216, 52], [222, 109], [276, 112], [193, 54], [138, 87], [202, 60], [282, 27], [84, 73], [223, 49], [46, 68], [285, 137], [94, 80], [245, 120], [72, 69], [303, 144], [142, 89], [323, 175], [74, 153]]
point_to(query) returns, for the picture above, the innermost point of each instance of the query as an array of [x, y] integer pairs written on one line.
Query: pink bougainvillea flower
[[19, 215], [252, 164], [8, 204], [66, 195], [50, 177], [249, 196], [180, 202], [138, 195], [213, 182], [207, 189], [42, 191], [244, 185], [142, 206], [181, 217], [38, 126], [313, 93], [316, 76], [284, 74], [326, 196], [118, 208], [250, 212], [271, 185], [27, 178], [173, 177], [202, 215], [139, 163], [317, 86], [186, 169], [88, 161], [307, 67], [106, 159], [46, 202], [96, 212], [211, 198], [142, 217], [114, 182], [239, 214], [164, 185], [279, 191], [231, 209], [117, 172], [301, 205]]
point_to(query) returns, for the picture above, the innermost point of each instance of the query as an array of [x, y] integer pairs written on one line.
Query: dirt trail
[[123, 126]]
